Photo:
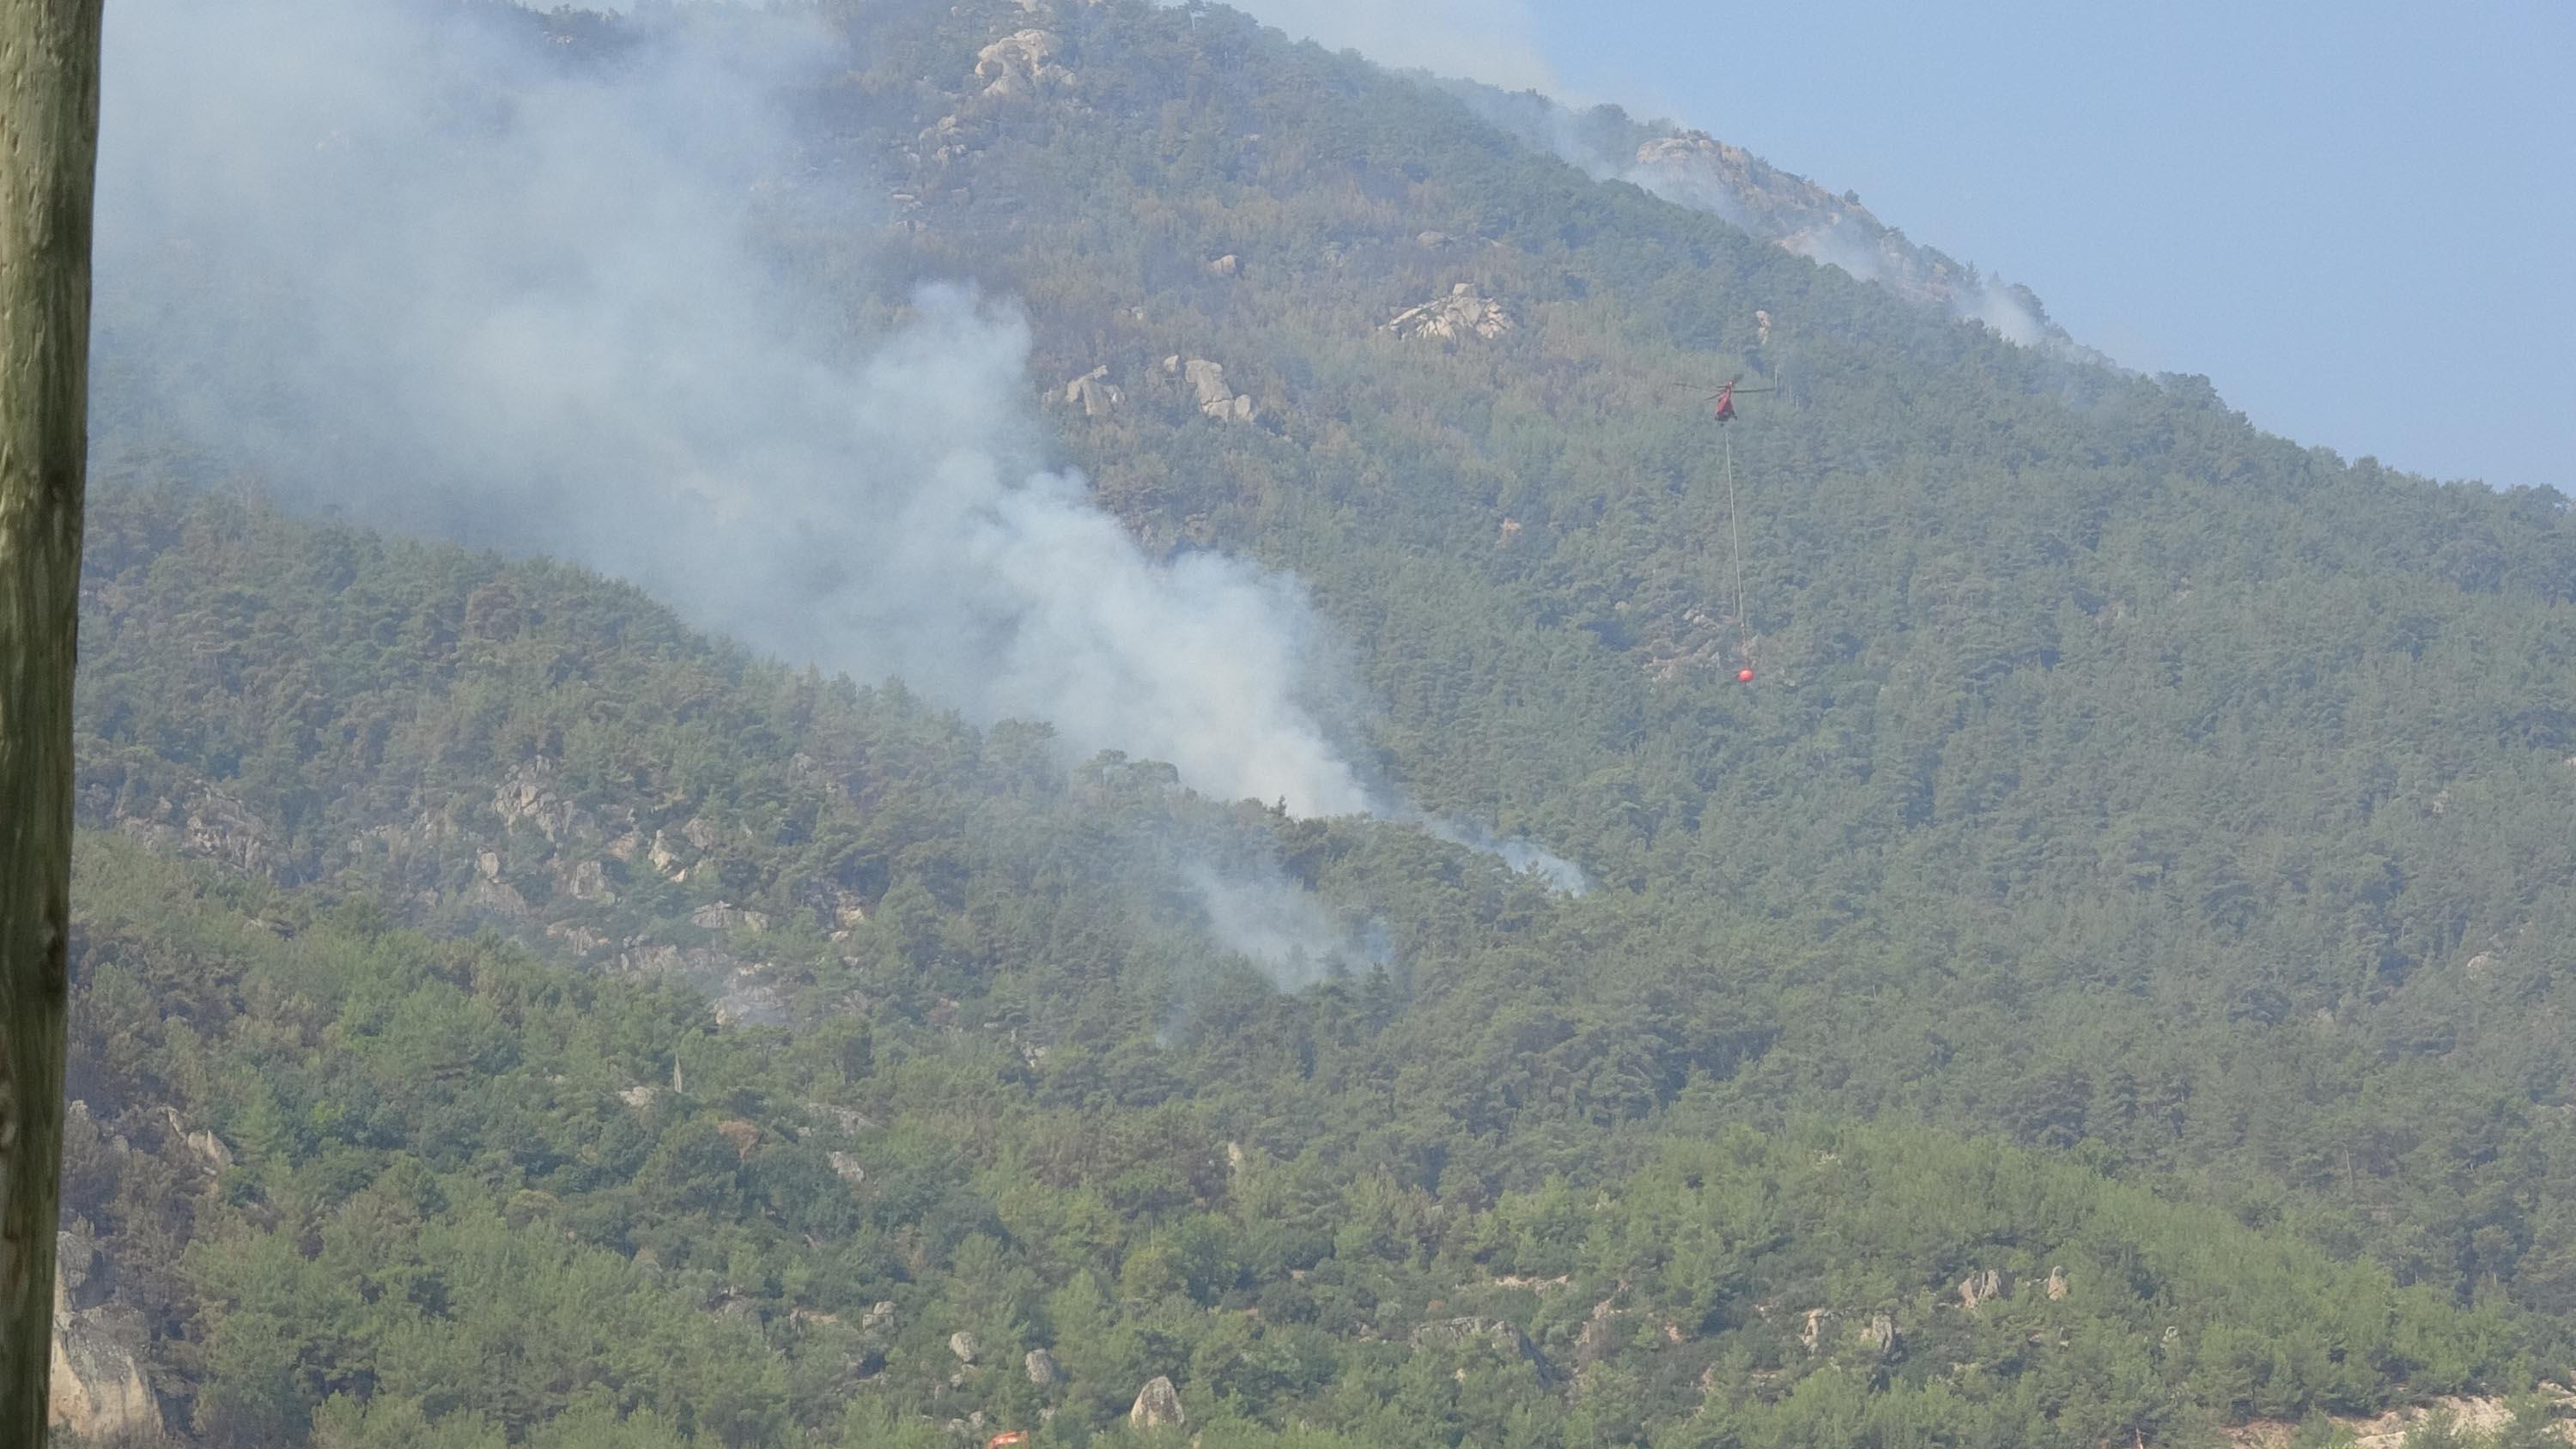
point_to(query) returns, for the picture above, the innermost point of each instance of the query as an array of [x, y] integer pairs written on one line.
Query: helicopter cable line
[[1723, 409], [1735, 542]]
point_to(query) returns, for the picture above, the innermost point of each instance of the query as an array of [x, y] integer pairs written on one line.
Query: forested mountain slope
[[413, 1189], [2146, 854], [2102, 733]]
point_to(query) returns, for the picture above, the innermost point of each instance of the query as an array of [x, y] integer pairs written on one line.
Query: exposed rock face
[[1022, 65], [588, 881], [1694, 169], [1225, 266], [848, 1169], [1700, 171], [225, 828], [964, 1345], [1813, 1335], [880, 1314], [2056, 1284], [98, 1388], [528, 796], [1983, 1286], [1095, 394], [725, 916], [74, 1255], [211, 1151], [1158, 1405], [1502, 1336], [1459, 315], [748, 996], [1042, 1368], [1882, 1332], [498, 899], [1207, 385]]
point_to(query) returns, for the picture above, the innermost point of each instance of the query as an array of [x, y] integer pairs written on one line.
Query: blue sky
[[2359, 219]]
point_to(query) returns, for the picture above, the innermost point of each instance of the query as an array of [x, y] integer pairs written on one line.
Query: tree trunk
[[48, 157]]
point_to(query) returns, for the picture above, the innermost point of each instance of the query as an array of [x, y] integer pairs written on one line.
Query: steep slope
[[2105, 727], [1694, 169]]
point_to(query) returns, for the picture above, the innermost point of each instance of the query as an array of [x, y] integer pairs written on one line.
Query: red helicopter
[[1725, 397]]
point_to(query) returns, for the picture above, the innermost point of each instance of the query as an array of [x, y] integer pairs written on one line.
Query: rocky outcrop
[[846, 1168], [529, 796], [1983, 1286], [1022, 66], [880, 1315], [210, 824], [1042, 1368], [588, 881], [98, 1389], [1461, 314], [1225, 266], [1095, 394], [497, 898], [1694, 169], [1206, 381], [725, 916], [208, 1151], [2057, 1289], [1882, 1334], [1157, 1406], [1697, 170], [1812, 1336], [747, 995], [665, 858], [965, 1345]]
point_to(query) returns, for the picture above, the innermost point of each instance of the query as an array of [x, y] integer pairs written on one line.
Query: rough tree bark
[[48, 157]]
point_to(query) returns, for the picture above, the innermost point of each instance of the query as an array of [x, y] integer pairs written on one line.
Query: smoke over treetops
[[402, 261]]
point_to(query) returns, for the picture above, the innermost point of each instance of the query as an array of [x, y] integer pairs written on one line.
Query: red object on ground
[[1744, 676]]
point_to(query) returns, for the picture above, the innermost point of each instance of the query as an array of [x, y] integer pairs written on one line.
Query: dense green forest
[[2143, 875]]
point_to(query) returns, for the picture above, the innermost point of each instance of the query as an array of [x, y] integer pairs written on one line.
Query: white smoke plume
[[543, 328], [408, 261]]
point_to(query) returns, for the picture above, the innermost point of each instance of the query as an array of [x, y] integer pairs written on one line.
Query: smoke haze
[[403, 262]]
